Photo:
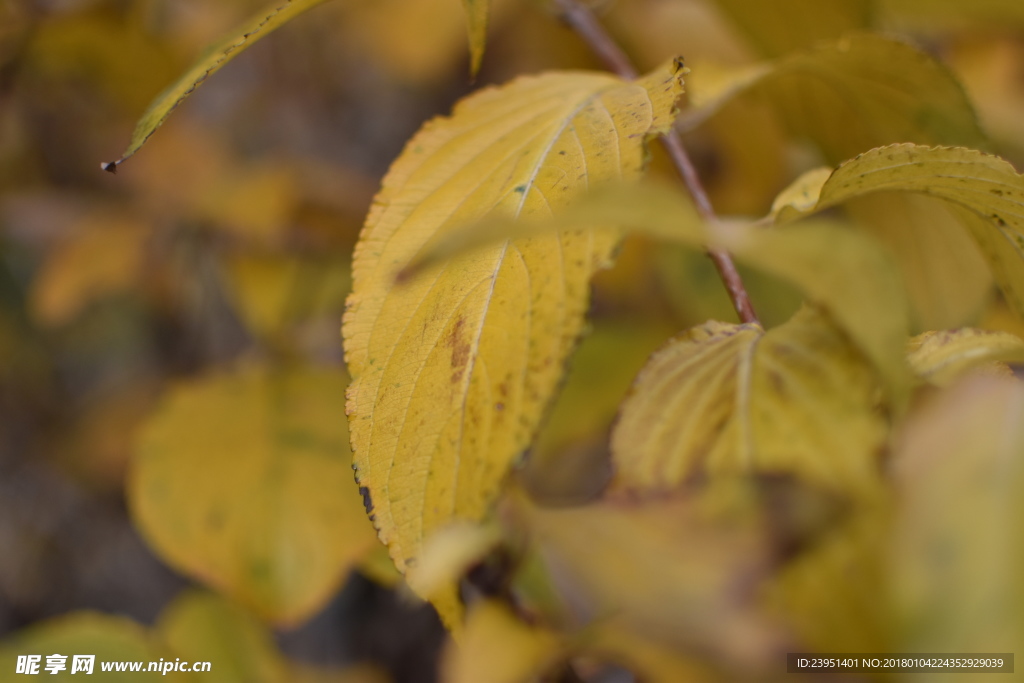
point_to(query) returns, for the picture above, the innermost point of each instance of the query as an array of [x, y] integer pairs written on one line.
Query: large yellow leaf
[[958, 548], [733, 400], [243, 481], [846, 273], [781, 26], [451, 371], [984, 192], [215, 56]]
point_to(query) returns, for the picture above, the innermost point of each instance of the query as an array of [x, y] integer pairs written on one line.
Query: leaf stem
[[581, 19]]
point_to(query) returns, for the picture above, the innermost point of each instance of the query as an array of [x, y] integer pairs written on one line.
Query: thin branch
[[581, 19]]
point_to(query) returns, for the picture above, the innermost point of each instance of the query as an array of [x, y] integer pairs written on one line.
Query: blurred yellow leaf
[[243, 481], [476, 19], [498, 647], [251, 200], [958, 548], [984, 192], [449, 552], [110, 639], [942, 357], [452, 371], [734, 400], [835, 595], [945, 273], [782, 26], [846, 273], [955, 14], [680, 572], [102, 256], [273, 291], [849, 96], [651, 661], [416, 41], [216, 56], [201, 626]]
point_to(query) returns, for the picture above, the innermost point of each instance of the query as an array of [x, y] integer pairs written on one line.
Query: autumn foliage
[[583, 447]]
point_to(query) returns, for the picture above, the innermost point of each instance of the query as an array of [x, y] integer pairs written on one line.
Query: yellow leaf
[[958, 547], [201, 626], [103, 256], [851, 95], [452, 371], [779, 27], [679, 572], [243, 481], [447, 555], [216, 56], [497, 647], [476, 19], [945, 274], [734, 400], [942, 357], [835, 596], [651, 661], [273, 291], [984, 192], [110, 639], [846, 273], [953, 14]]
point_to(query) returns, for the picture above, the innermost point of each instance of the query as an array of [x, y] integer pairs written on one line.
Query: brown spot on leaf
[[460, 346]]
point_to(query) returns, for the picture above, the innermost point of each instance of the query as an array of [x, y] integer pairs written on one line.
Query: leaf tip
[[109, 166]]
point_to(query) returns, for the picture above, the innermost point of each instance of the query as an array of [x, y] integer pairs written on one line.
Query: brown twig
[[581, 19]]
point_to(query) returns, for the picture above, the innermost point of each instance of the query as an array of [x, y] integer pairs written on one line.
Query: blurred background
[[227, 241]]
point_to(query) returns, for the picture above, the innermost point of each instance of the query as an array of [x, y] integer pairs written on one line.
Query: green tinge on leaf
[[215, 56]]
